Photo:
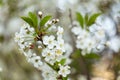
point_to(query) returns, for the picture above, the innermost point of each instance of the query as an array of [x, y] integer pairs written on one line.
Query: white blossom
[[25, 37], [60, 44], [114, 44], [76, 30], [49, 55], [49, 41], [60, 31], [64, 70], [48, 73], [35, 60]]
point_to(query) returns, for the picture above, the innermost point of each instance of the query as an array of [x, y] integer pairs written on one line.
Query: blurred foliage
[[83, 64], [13, 6], [17, 68], [1, 38], [1, 2], [105, 5]]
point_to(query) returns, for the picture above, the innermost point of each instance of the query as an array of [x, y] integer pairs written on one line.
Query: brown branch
[[86, 69]]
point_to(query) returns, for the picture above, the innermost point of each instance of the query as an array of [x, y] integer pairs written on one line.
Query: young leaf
[[28, 20], [34, 19], [86, 18], [62, 62], [44, 20], [92, 19], [80, 19]]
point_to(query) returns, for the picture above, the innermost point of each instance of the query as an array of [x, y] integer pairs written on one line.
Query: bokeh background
[[13, 64]]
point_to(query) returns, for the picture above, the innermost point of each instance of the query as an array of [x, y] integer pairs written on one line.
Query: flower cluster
[[97, 37], [25, 40], [54, 50], [90, 40], [46, 50], [25, 37]]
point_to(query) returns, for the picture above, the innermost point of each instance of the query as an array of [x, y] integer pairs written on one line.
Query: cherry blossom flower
[[49, 41], [64, 70]]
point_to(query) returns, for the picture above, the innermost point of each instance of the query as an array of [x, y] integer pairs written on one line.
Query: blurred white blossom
[[114, 43], [64, 70]]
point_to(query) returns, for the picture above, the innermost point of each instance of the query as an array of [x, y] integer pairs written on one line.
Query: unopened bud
[[55, 21], [40, 14]]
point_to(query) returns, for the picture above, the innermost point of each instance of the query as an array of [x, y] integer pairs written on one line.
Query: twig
[[71, 18], [86, 67]]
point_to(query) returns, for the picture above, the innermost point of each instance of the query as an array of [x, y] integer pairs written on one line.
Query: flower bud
[[40, 14], [55, 21]]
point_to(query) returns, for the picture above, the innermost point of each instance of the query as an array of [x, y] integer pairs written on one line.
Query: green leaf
[[80, 19], [44, 20], [64, 78], [86, 18], [62, 62], [53, 67], [28, 20], [92, 56], [93, 19], [34, 19]]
